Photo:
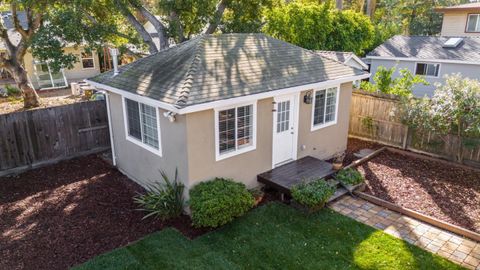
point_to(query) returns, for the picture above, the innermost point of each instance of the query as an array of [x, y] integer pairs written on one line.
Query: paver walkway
[[449, 245]]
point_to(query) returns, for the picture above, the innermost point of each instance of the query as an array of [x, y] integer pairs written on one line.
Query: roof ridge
[[187, 83]]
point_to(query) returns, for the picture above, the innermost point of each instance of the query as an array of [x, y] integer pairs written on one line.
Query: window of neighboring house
[[473, 23], [142, 125], [87, 60], [430, 70], [235, 130], [325, 105]]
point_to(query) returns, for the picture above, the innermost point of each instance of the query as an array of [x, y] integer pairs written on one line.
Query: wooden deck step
[[338, 193]]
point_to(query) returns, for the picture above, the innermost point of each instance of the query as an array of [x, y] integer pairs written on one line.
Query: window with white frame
[[430, 70], [325, 107], [473, 23], [87, 60], [142, 124], [235, 130]]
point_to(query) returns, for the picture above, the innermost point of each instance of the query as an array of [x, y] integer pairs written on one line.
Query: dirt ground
[[48, 98], [62, 215], [447, 192]]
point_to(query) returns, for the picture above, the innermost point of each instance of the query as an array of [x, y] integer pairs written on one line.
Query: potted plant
[[257, 194], [312, 196], [350, 179], [338, 161]]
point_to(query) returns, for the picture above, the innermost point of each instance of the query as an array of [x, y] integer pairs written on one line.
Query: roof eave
[[229, 101], [415, 59]]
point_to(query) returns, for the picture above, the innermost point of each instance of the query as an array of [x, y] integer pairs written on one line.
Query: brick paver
[[444, 243]]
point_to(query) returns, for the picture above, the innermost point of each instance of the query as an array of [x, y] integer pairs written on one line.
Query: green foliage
[[217, 202], [313, 194], [244, 16], [163, 201], [453, 109], [12, 91], [350, 177], [319, 27], [400, 86]]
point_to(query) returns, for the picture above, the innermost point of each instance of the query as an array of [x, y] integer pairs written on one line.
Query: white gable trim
[[412, 59], [358, 60], [229, 101]]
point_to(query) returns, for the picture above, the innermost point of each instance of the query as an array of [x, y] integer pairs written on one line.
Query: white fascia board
[[358, 60], [285, 91], [139, 98], [412, 59], [229, 101]]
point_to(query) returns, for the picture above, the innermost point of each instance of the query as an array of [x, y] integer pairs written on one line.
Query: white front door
[[284, 129]]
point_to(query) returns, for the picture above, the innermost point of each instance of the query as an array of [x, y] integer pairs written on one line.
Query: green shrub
[[349, 177], [163, 201], [12, 90], [219, 201], [313, 194]]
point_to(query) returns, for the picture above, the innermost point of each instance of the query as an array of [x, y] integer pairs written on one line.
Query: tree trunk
[[157, 25], [30, 96], [217, 17], [371, 5], [339, 4]]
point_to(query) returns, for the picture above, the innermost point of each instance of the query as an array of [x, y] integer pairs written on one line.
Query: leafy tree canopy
[[319, 27], [400, 86]]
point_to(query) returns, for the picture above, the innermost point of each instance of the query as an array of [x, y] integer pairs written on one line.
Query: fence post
[[405, 138]]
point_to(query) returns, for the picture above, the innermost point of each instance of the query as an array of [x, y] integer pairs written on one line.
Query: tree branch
[[217, 17], [138, 26], [157, 24], [178, 26], [16, 23]]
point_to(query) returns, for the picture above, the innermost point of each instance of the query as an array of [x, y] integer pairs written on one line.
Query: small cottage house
[[232, 105]]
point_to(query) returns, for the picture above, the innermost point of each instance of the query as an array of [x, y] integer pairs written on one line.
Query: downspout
[[112, 144]]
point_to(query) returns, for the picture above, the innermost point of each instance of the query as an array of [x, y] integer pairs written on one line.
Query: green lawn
[[274, 236]]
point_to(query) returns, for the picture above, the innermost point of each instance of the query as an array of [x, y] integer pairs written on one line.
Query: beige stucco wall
[[322, 143], [328, 141], [77, 73], [142, 165], [243, 167], [454, 24]]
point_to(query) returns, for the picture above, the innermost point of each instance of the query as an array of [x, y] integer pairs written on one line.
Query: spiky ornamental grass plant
[[163, 201]]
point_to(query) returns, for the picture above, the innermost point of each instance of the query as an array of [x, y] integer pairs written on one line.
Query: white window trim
[[35, 63], [252, 147], [136, 141], [324, 125], [427, 63], [468, 21], [93, 59]]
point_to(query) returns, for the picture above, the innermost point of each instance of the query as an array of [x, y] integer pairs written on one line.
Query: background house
[[456, 51], [226, 106], [461, 20], [40, 74]]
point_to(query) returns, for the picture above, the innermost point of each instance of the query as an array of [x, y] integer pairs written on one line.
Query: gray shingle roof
[[215, 67], [429, 48], [337, 56]]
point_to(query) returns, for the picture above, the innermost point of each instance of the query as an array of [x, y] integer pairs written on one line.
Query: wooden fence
[[33, 138], [376, 117]]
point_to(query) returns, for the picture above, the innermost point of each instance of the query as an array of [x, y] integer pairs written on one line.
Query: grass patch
[[274, 236]]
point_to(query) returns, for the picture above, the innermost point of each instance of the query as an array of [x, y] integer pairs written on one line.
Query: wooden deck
[[284, 177]]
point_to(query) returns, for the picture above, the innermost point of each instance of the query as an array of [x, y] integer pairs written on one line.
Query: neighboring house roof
[[464, 7], [429, 48], [216, 67], [342, 57]]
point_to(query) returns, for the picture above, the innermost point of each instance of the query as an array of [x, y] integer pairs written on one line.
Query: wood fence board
[[35, 137], [383, 111]]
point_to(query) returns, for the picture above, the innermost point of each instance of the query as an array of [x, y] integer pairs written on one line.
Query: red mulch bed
[[62, 215], [446, 192]]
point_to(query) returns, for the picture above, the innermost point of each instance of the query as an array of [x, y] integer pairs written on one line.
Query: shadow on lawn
[[448, 193], [274, 236]]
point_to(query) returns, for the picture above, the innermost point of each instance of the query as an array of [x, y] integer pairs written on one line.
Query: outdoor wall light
[[307, 99]]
